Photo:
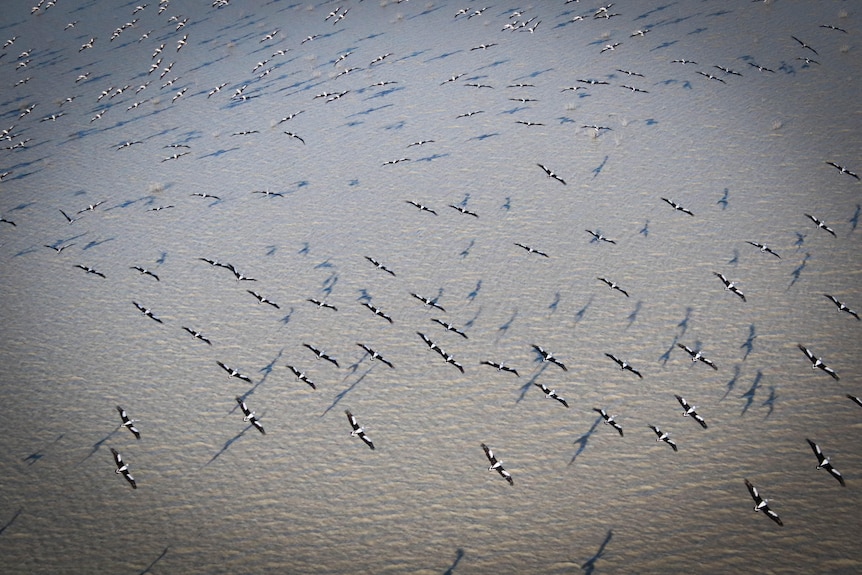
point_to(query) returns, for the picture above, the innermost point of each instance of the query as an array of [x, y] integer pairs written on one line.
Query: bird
[[197, 335], [320, 303], [5, 221], [249, 415], [497, 465], [824, 463], [550, 393], [678, 207], [532, 250], [843, 170], [234, 373], [690, 411], [450, 327], [761, 504], [147, 312], [123, 468], [854, 399], [238, 275], [59, 248], [145, 271], [841, 306], [816, 362], [380, 266], [262, 299], [729, 285], [610, 47], [551, 174], [624, 365], [464, 210], [90, 270], [764, 248], [500, 367], [821, 224], [711, 76], [301, 376], [358, 430], [129, 423], [599, 237], [804, 45], [377, 311], [662, 436], [421, 207], [91, 207], [68, 217], [697, 356], [613, 285], [428, 301], [609, 420], [548, 356], [375, 355], [292, 135], [321, 354]]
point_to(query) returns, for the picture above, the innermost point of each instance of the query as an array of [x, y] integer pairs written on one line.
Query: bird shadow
[[227, 445], [665, 357], [748, 344], [156, 560], [582, 441], [579, 315], [344, 392], [17, 513], [732, 383], [633, 316], [472, 295], [459, 554], [798, 271], [749, 395], [97, 445], [526, 387], [770, 401], [37, 455], [683, 325], [590, 565]]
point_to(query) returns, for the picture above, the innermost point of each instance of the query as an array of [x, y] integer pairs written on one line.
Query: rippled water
[[746, 156]]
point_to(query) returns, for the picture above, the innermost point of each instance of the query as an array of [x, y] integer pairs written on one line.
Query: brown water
[[215, 496]]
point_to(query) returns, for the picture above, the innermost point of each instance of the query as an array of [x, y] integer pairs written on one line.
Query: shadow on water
[[665, 357], [633, 316], [526, 387], [770, 401], [37, 455], [579, 315], [683, 325], [472, 295], [749, 395], [156, 560], [582, 441], [798, 271], [342, 394], [97, 445], [590, 565], [17, 513], [227, 445], [732, 383], [459, 554], [748, 344]]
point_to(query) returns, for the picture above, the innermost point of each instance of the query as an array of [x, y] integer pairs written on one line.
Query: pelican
[[624, 365], [301, 376], [320, 303], [609, 420], [375, 355], [197, 335], [613, 285], [697, 356], [764, 248], [144, 271], [358, 431], [234, 373], [321, 354], [147, 312], [531, 250], [690, 410], [500, 367], [816, 362], [377, 311], [729, 285], [551, 174], [662, 436], [262, 299], [550, 393], [760, 504], [497, 465], [548, 356], [249, 415], [678, 207], [823, 462], [129, 423], [428, 301], [123, 468], [450, 327], [821, 224], [841, 306], [380, 266]]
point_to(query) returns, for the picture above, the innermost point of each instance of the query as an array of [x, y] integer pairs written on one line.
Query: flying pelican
[[729, 285], [816, 362], [497, 465], [358, 431], [609, 420], [823, 462], [548, 356], [690, 410], [761, 504], [123, 468], [624, 365], [697, 356], [662, 436], [129, 423], [550, 393]]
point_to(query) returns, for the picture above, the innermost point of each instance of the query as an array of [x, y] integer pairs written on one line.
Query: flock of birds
[[173, 32]]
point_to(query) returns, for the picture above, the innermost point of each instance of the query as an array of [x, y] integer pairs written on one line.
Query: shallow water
[[747, 157]]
